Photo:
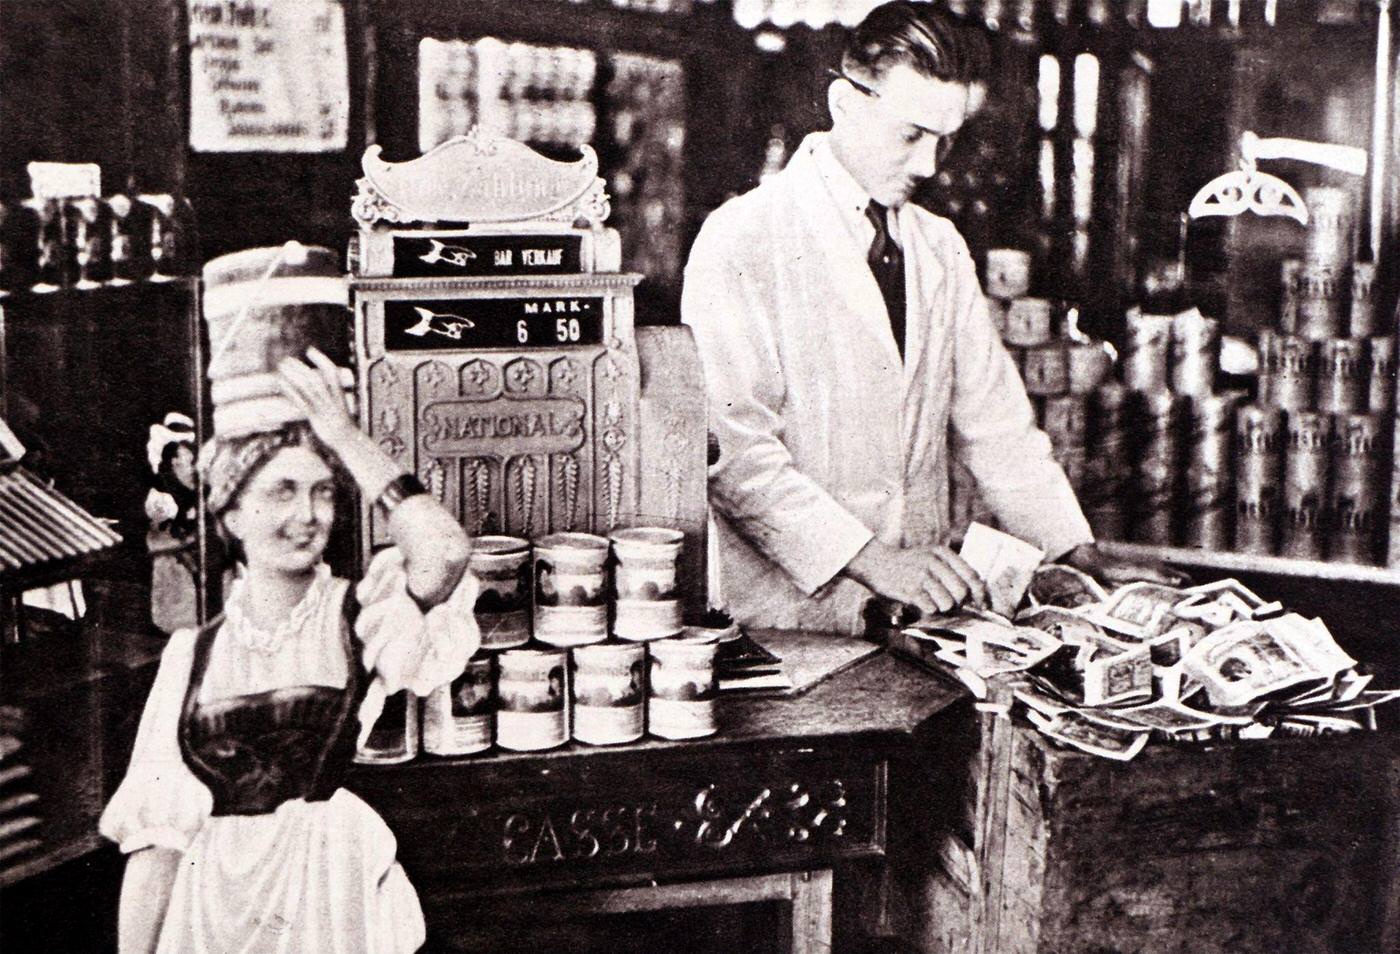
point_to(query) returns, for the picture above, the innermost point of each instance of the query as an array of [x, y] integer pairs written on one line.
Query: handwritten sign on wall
[[268, 76]]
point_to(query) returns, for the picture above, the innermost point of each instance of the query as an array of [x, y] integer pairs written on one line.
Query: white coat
[[827, 438]]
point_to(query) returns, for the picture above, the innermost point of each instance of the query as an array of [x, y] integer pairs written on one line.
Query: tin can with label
[[1209, 481], [19, 246], [502, 567], [1008, 273], [1046, 370], [54, 266], [1362, 317], [1321, 292], [683, 688], [1157, 474], [996, 311], [1029, 322], [1355, 496], [91, 237], [1287, 377], [394, 738], [1145, 351], [609, 685], [571, 598], [644, 579], [129, 240], [1066, 420], [1195, 352], [1306, 462], [1288, 295], [1341, 381], [1107, 462], [460, 717], [1380, 376], [1259, 441], [533, 693], [1089, 366], [1330, 238]]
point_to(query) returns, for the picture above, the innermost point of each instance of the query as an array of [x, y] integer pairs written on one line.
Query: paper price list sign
[[268, 76]]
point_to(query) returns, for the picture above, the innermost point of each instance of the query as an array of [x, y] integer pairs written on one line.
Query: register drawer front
[[682, 814]]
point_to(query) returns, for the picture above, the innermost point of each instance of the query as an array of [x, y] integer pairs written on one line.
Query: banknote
[[1244, 661], [1074, 729], [1055, 584], [1005, 563], [1118, 678], [1138, 610]]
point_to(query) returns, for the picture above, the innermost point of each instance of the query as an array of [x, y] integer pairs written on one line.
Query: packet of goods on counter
[[1104, 672]]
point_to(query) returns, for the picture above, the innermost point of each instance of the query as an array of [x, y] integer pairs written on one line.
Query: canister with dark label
[[502, 567], [1362, 316], [683, 688], [1355, 497], [1330, 237], [1008, 273], [1341, 381], [571, 599], [644, 579], [130, 239], [1145, 351], [1307, 459], [19, 246], [1089, 366], [1029, 322], [460, 717], [1106, 462], [1321, 292], [609, 685], [1288, 296], [1209, 500], [1380, 376], [1287, 378], [1195, 352], [394, 737], [532, 694], [1258, 447], [54, 259], [1157, 474], [1045, 370]]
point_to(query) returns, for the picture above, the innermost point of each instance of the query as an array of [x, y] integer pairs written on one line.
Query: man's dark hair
[[920, 35]]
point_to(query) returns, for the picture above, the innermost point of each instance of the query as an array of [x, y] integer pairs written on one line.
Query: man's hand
[[1112, 570], [932, 579]]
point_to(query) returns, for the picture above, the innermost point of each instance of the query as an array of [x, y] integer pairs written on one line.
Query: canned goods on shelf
[[460, 717], [1066, 420], [532, 692], [571, 600], [683, 688], [1288, 295], [1008, 273], [1029, 322], [1258, 477], [1286, 379], [647, 606], [1321, 292], [1361, 319], [1208, 498], [1145, 351], [1045, 370], [1380, 376], [1195, 352], [1306, 462], [1330, 238], [1355, 494], [1089, 366], [502, 568], [1341, 381], [394, 737], [90, 232]]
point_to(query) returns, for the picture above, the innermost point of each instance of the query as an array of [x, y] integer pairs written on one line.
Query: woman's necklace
[[264, 642]]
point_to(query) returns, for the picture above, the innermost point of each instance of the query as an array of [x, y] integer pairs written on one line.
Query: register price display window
[[455, 324]]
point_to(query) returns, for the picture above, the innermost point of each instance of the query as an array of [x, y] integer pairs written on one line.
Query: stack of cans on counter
[[1312, 481], [1168, 434], [1060, 372], [568, 653], [88, 242]]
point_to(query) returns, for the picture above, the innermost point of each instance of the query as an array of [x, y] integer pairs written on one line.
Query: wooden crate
[[1275, 846]]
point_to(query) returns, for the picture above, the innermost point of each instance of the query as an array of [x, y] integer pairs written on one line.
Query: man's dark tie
[[887, 263]]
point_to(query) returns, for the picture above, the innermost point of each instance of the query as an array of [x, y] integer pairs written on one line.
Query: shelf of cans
[[581, 638], [93, 242]]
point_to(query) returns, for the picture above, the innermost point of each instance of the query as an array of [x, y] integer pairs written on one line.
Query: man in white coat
[[845, 339]]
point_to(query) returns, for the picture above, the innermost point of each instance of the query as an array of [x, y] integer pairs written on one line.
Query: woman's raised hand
[[315, 389]]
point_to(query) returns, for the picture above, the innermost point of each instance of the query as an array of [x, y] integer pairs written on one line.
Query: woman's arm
[[146, 887], [435, 547]]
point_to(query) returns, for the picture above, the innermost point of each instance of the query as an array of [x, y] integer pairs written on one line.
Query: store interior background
[[106, 81]]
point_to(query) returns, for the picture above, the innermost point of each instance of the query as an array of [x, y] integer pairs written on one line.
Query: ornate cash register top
[[481, 178]]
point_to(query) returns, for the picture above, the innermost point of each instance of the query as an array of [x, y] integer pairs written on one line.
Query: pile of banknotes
[[1107, 672]]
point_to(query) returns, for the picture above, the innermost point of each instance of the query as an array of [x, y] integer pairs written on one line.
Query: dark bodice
[[257, 751]]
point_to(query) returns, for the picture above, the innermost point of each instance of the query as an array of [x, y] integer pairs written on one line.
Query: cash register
[[498, 358]]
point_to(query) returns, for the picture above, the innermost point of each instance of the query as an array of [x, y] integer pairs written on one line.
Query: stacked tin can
[[1060, 369], [1326, 396], [565, 625]]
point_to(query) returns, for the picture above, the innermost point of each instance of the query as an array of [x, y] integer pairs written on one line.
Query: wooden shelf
[[1249, 563]]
